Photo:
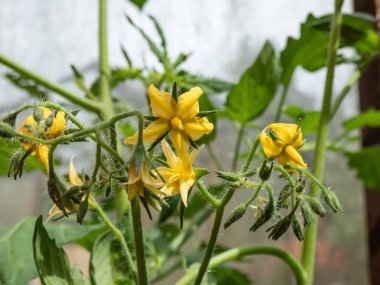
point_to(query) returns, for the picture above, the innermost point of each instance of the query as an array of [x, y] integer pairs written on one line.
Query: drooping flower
[[282, 141], [71, 207], [137, 182], [179, 176], [180, 118], [45, 129]]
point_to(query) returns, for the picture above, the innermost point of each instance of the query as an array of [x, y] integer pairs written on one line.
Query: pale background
[[224, 36]]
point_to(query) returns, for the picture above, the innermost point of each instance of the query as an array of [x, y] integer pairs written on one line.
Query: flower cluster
[[177, 116], [42, 124]]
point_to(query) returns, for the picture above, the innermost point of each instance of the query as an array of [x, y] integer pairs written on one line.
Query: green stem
[[290, 179], [53, 86], [237, 147], [118, 234], [351, 82], [308, 254], [208, 196], [254, 196], [240, 252], [139, 241], [251, 154], [284, 93]]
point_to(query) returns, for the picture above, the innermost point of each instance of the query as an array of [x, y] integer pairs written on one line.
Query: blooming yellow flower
[[283, 143], [180, 118], [31, 128], [74, 180], [179, 176], [137, 182]]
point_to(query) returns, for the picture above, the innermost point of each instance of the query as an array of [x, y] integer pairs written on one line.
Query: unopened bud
[[236, 214], [307, 214], [297, 229], [49, 121], [265, 215], [249, 173], [300, 186], [316, 206], [266, 170], [281, 227], [331, 200], [37, 114], [228, 176]]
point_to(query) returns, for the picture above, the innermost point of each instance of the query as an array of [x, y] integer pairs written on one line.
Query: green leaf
[[370, 118], [28, 85], [257, 87], [208, 85], [366, 162], [139, 3], [101, 267], [16, 262], [52, 262], [309, 119]]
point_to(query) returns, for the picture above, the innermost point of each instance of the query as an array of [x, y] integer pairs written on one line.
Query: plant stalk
[[308, 254]]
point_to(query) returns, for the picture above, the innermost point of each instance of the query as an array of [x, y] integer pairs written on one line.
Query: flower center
[[176, 123]]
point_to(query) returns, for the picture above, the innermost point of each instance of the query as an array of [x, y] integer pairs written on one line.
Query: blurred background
[[224, 37]]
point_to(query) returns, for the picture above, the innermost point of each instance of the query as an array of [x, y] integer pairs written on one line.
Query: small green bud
[[249, 173], [300, 186], [235, 215], [282, 200], [228, 176], [281, 227], [307, 214], [82, 211], [297, 229], [266, 214], [37, 114], [316, 206], [331, 200], [266, 170], [49, 121]]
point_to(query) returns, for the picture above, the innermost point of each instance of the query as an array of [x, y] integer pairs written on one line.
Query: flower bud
[[266, 170], [236, 214], [297, 229], [37, 114], [281, 227], [228, 176], [307, 214], [49, 121], [266, 214], [316, 206], [331, 200]]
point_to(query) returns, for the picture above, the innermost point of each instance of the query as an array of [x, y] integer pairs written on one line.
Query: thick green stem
[[277, 117], [240, 252], [118, 234], [53, 86], [308, 254], [139, 241]]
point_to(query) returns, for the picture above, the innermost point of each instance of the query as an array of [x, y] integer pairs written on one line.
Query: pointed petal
[[54, 211], [43, 155], [151, 133], [132, 176], [172, 160], [188, 105], [291, 156], [194, 154], [286, 132], [170, 189], [162, 103], [179, 140], [74, 178], [27, 126], [59, 124], [271, 148], [46, 112], [185, 186], [133, 190], [197, 127]]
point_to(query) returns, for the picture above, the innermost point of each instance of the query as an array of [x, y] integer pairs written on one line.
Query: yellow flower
[[74, 180], [137, 182], [179, 176], [283, 143], [31, 128], [180, 118]]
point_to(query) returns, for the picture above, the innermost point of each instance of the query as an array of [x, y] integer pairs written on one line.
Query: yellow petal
[[172, 160], [74, 178], [197, 127], [291, 157], [133, 177], [151, 133], [171, 189], [271, 148], [59, 124], [185, 186], [43, 155], [188, 105], [27, 126], [286, 132], [134, 190], [54, 211], [161, 103], [179, 140], [46, 112], [194, 154]]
